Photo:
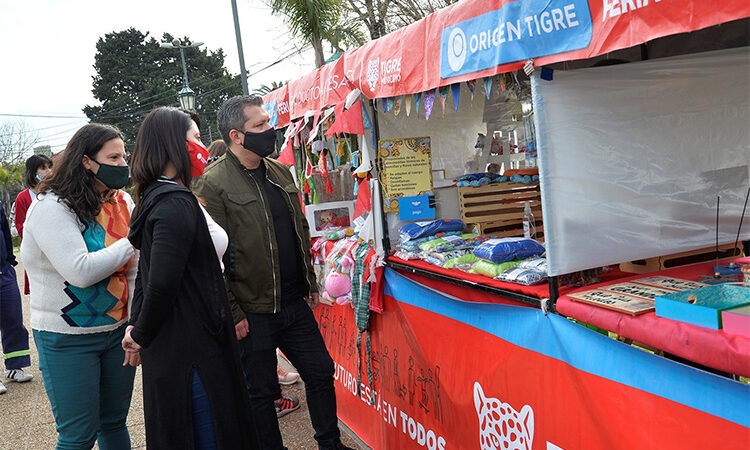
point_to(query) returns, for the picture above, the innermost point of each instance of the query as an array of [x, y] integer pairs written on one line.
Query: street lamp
[[186, 95]]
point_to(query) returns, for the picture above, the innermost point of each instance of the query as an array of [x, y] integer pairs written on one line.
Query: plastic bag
[[538, 264], [492, 270], [416, 230], [468, 258], [527, 277], [508, 249], [412, 245]]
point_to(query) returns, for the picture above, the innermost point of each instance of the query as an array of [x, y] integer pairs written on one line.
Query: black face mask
[[262, 144], [114, 177]]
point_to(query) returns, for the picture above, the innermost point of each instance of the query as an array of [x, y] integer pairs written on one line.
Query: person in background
[[493, 168], [181, 324], [270, 281], [82, 270], [216, 150], [37, 167], [14, 336]]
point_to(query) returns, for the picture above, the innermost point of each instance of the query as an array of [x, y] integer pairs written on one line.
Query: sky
[[47, 50]]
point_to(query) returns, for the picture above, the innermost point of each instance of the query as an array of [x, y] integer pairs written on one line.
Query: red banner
[[456, 375], [323, 87], [487, 37]]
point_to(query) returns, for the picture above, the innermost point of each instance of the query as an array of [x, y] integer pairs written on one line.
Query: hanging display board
[[405, 168]]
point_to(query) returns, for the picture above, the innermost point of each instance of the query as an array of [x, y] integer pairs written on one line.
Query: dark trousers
[[294, 330], [14, 335]]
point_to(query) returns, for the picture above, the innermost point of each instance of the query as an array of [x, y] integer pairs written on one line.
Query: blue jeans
[[88, 387], [203, 419]]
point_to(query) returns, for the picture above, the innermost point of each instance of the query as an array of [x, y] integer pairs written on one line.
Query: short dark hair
[[162, 139], [193, 116], [74, 184], [231, 115], [34, 163]]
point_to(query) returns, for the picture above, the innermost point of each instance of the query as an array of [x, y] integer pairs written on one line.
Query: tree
[[135, 75], [11, 183], [17, 141], [380, 17], [265, 89], [316, 21]]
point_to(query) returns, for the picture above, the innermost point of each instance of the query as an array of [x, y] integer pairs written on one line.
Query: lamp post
[[186, 95]]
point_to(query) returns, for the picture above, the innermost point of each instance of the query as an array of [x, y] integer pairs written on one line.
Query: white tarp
[[632, 157]]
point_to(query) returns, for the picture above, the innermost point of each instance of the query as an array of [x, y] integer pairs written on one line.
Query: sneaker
[[285, 405], [287, 378], [18, 375], [3, 389]]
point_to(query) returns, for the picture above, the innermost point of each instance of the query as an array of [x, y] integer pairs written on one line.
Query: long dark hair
[[74, 184], [34, 163], [162, 139]]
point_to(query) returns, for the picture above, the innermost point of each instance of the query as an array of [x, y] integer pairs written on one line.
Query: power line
[[44, 116]]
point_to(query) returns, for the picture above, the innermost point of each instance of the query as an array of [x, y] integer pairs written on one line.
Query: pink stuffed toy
[[338, 288]]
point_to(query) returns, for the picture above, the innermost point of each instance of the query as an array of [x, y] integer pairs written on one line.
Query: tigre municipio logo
[[456, 49], [373, 73]]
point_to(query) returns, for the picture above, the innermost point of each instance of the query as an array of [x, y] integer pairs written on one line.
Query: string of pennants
[[314, 133]]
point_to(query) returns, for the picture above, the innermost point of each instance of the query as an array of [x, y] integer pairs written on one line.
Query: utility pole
[[243, 72]]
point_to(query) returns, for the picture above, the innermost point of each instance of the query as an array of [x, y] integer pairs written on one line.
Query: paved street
[[27, 421]]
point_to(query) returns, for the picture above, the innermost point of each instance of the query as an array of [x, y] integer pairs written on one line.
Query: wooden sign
[[676, 284], [638, 290], [614, 301]]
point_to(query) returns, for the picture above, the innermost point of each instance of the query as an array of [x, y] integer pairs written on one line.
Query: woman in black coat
[[181, 323]]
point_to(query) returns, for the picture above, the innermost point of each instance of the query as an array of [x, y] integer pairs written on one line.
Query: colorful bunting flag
[[407, 100], [389, 104], [417, 98], [443, 96], [488, 87], [472, 85], [456, 88], [429, 100], [366, 122], [397, 105]]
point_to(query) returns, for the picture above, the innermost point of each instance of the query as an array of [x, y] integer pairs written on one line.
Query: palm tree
[[315, 21], [265, 89]]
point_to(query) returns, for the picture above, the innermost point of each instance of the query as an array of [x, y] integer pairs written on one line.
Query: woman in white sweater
[[82, 269]]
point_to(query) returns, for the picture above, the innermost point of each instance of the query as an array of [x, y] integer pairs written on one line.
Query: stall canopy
[[478, 38]]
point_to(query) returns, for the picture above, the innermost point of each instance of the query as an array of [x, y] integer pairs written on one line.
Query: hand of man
[[242, 328], [313, 300], [132, 349]]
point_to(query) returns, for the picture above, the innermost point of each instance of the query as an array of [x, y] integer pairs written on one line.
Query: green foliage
[[11, 183], [315, 21], [265, 89], [135, 75]]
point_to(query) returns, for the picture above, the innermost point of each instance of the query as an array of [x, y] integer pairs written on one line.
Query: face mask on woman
[[114, 177], [198, 158]]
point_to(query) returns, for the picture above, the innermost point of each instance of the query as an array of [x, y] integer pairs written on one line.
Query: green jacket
[[238, 203]]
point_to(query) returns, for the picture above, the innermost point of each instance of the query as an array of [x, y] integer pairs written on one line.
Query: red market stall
[[460, 360]]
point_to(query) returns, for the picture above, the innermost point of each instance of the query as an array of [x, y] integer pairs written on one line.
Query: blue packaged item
[[416, 230], [508, 249]]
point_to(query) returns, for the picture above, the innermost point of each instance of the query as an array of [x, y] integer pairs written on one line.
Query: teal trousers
[[88, 387]]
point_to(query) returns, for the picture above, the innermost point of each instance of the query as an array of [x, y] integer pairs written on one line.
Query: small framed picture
[[325, 217]]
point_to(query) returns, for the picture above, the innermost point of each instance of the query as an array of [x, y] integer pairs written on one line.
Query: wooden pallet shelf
[[498, 209]]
